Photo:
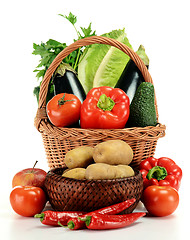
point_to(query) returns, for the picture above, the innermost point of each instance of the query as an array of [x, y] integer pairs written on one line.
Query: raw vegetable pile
[[98, 87], [83, 59], [107, 160]]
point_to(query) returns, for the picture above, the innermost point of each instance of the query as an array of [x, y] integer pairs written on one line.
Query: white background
[[161, 26]]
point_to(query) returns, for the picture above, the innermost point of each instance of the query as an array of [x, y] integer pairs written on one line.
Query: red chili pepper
[[105, 107], [103, 221], [53, 217], [75, 223], [161, 172]]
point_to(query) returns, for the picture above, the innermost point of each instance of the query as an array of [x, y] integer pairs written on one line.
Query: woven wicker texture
[[57, 141], [88, 195]]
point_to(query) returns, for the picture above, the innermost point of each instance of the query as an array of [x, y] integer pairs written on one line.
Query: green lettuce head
[[102, 65]]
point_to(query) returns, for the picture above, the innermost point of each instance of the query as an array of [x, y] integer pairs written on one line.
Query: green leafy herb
[[49, 50], [88, 31], [71, 18]]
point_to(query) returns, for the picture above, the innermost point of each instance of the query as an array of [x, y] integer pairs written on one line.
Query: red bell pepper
[[162, 172], [105, 108]]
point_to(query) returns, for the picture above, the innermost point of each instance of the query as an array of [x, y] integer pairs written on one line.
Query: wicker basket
[[67, 194], [57, 141]]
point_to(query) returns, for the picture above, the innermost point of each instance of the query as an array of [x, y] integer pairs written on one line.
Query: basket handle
[[41, 113]]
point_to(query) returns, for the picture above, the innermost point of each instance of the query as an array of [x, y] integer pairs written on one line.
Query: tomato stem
[[62, 100]]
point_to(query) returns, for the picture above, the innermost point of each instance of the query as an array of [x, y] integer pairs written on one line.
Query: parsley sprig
[[49, 50]]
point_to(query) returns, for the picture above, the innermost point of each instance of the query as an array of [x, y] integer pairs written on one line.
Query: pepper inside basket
[[67, 194], [58, 141]]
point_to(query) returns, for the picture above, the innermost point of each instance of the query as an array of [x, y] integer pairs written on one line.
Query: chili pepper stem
[[70, 225], [61, 225], [83, 219], [40, 216], [88, 220]]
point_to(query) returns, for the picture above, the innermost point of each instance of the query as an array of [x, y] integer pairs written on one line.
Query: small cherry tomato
[[27, 200], [63, 109], [160, 200]]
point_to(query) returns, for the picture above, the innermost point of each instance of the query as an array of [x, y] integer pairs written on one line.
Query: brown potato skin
[[79, 157], [113, 152], [100, 171], [124, 171], [76, 173]]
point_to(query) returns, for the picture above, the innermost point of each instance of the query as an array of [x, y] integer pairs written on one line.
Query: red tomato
[[27, 200], [160, 200], [63, 109]]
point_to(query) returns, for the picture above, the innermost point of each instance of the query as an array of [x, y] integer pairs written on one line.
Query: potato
[[113, 152], [76, 173], [99, 171], [79, 157], [105, 171], [124, 171]]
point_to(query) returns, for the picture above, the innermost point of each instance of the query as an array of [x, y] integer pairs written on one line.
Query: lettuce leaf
[[102, 65]]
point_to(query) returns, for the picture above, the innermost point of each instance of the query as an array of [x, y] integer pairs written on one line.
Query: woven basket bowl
[[58, 141], [67, 194]]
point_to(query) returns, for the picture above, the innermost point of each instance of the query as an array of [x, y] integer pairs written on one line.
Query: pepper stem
[[61, 225], [70, 225], [40, 215], [88, 220], [62, 100], [157, 172], [105, 103]]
